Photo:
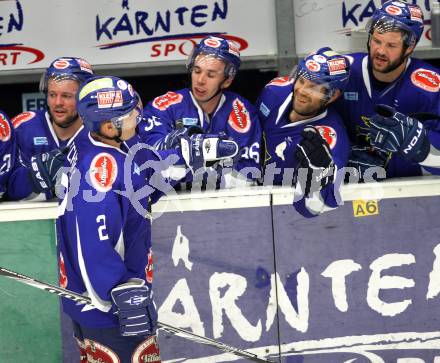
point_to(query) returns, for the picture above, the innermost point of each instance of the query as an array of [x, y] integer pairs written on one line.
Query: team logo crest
[[22, 118], [63, 275], [393, 10], [97, 352], [280, 81], [239, 118], [212, 42], [110, 99], [147, 351], [5, 129], [61, 64], [426, 79], [166, 100], [103, 172], [149, 267], [328, 134], [313, 66]]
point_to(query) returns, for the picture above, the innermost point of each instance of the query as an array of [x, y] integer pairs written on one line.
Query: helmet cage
[[385, 24]]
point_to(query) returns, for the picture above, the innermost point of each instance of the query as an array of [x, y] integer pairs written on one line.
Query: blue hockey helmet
[[107, 98], [64, 68], [219, 48], [398, 16], [325, 67]]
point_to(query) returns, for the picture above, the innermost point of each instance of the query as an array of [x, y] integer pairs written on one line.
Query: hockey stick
[[80, 299]]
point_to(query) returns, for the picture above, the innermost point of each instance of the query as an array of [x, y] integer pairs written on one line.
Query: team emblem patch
[[166, 100], [280, 81], [426, 79], [239, 118], [147, 351], [63, 275], [103, 172], [22, 118], [149, 268], [313, 66], [109, 99], [97, 352], [393, 10], [5, 129], [328, 134]]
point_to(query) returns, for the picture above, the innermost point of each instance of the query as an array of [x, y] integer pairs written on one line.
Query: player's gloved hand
[[362, 158], [395, 132], [172, 140], [200, 149], [44, 171], [315, 166], [137, 313]]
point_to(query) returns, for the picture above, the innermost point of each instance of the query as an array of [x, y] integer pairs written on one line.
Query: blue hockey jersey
[[8, 151], [104, 232], [35, 135], [281, 138], [416, 90], [234, 115]]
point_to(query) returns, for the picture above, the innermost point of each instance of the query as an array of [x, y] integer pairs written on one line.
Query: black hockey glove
[[134, 304], [315, 166], [392, 131], [366, 162], [172, 140], [44, 171]]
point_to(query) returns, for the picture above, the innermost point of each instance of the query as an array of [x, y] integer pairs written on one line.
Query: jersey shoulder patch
[[239, 118], [103, 171], [280, 81], [426, 79], [22, 118], [5, 128], [166, 100], [328, 133]]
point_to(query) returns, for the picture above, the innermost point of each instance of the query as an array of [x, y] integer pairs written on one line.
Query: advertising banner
[[33, 33], [329, 23]]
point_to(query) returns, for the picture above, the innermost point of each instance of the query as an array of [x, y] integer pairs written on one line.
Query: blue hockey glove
[[395, 132], [363, 158], [137, 314], [172, 140], [315, 167], [200, 149], [44, 171]]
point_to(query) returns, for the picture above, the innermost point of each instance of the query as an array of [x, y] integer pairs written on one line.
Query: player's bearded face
[[386, 51], [61, 101], [207, 77], [308, 97]]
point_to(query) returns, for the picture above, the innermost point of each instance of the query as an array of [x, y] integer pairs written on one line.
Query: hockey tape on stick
[[80, 299]]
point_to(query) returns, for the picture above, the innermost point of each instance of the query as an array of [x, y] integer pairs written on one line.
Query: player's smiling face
[[61, 101], [386, 51], [308, 97], [207, 77]]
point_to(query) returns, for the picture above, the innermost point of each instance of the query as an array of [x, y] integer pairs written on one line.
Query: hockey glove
[[363, 158], [44, 171], [315, 167], [172, 140], [135, 307], [394, 132], [200, 149]]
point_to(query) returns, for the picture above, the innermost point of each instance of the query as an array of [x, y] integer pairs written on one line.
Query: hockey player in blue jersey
[[104, 236], [8, 151], [305, 139], [208, 107], [388, 75], [41, 132]]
